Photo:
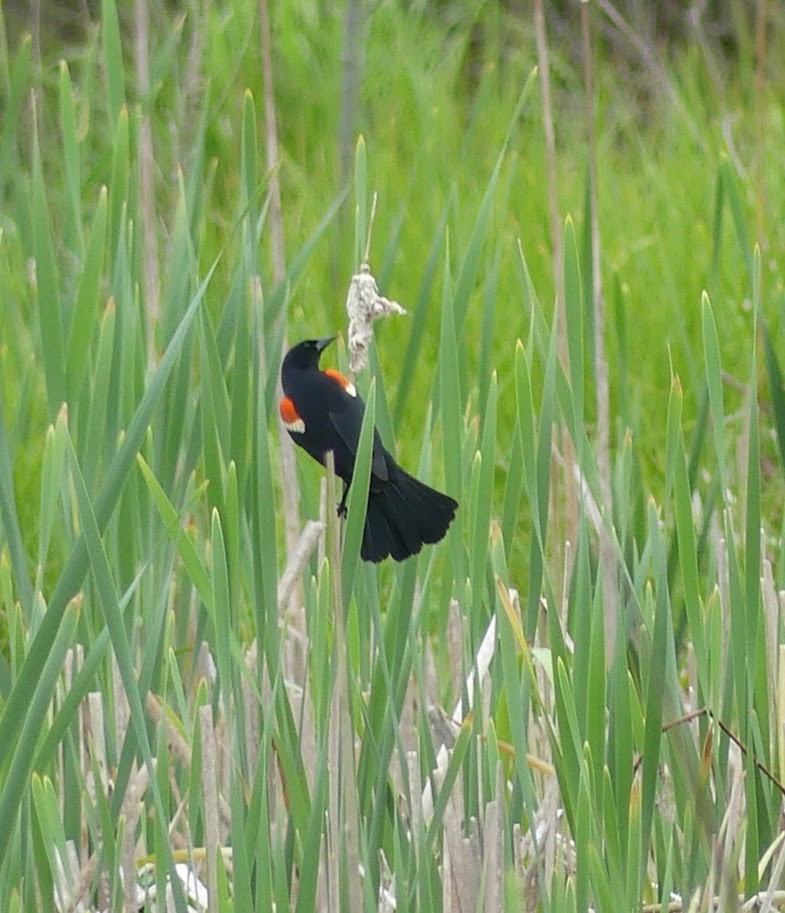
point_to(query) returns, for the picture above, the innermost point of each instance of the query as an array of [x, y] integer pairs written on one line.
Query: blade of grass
[[80, 685], [574, 311], [86, 309], [687, 547], [48, 292], [416, 339], [40, 695], [14, 98], [51, 479], [733, 194], [10, 517], [113, 61], [187, 550], [752, 558], [776, 388], [121, 646], [25, 705], [357, 502], [451, 775], [479, 551], [74, 236], [711, 347], [452, 423]]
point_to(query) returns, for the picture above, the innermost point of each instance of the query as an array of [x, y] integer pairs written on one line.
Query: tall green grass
[[455, 732]]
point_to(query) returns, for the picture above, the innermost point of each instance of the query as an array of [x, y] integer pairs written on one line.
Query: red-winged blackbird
[[322, 411]]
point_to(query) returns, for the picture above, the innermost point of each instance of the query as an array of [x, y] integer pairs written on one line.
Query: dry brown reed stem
[[567, 497], [271, 139], [706, 711], [461, 847], [210, 797], [343, 815], [648, 56], [290, 488], [474, 680], [311, 536], [493, 847], [298, 558], [364, 305], [130, 813], [775, 898], [350, 84], [190, 98], [82, 885], [178, 745], [607, 556], [550, 159], [331, 855]]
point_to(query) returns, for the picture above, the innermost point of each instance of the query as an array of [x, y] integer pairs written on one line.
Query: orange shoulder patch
[[343, 381], [290, 416]]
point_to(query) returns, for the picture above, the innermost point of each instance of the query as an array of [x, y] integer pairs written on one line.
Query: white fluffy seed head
[[364, 304]]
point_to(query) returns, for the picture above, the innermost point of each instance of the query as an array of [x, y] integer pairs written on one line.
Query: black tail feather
[[381, 539], [403, 516]]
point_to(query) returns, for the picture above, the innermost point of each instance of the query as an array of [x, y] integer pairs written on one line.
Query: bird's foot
[[342, 509]]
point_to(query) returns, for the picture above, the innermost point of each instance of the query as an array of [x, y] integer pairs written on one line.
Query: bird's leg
[[342, 506]]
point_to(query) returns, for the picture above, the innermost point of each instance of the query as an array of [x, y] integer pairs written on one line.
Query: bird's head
[[306, 354]]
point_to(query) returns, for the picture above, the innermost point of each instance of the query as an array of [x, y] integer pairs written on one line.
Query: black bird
[[322, 411]]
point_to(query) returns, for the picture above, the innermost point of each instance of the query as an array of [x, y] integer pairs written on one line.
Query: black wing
[[348, 422]]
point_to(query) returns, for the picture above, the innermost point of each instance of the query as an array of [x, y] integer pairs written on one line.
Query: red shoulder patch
[[343, 381], [290, 416]]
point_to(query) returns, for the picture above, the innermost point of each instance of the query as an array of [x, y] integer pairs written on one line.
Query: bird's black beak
[[321, 344]]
